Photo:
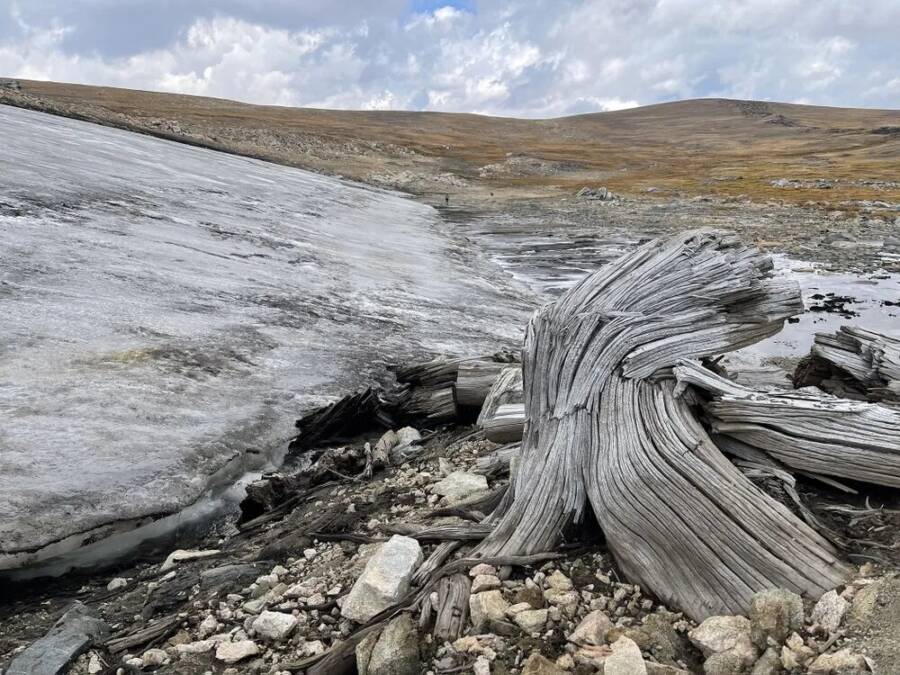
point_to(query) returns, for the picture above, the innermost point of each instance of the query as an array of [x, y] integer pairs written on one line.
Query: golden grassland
[[708, 146]]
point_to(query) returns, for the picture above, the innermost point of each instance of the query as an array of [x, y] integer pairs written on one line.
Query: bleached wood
[[507, 389], [602, 430]]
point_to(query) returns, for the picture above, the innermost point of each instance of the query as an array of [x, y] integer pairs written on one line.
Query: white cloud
[[515, 57]]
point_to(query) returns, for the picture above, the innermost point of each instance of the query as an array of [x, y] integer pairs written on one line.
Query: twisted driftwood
[[603, 429], [806, 431]]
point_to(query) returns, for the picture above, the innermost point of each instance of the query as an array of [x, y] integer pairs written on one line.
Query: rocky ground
[[278, 591]]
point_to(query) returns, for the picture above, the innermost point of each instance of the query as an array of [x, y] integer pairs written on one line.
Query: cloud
[[515, 57]]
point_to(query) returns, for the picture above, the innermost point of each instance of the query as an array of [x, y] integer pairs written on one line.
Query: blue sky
[[540, 58]]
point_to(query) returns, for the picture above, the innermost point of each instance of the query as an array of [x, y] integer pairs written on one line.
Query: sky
[[535, 58]]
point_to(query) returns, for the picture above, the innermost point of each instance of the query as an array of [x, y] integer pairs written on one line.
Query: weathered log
[[679, 517], [433, 403], [507, 389], [452, 607], [507, 425], [342, 420], [871, 359], [806, 431], [474, 380]]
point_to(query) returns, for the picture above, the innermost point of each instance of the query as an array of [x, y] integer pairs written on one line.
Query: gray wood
[[605, 431]]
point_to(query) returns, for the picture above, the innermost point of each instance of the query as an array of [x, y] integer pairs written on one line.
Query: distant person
[[446, 200]]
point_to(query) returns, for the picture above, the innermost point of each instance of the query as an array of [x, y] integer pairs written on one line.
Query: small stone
[[592, 629], [726, 634], [775, 614], [518, 607], [199, 647], [767, 664], [274, 626], [481, 666], [116, 584], [364, 652], [625, 659], [207, 627], [532, 595], [310, 553], [485, 582], [539, 665], [482, 568], [385, 579], [153, 658], [95, 665], [397, 650], [485, 607], [842, 662], [460, 485], [829, 611], [531, 620], [232, 652], [255, 606], [566, 662], [559, 581]]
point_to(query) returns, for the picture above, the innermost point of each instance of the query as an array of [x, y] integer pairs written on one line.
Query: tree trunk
[[606, 429]]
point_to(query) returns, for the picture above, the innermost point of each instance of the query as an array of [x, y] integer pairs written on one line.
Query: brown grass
[[708, 146]]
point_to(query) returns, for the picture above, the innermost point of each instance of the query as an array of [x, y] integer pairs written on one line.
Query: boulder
[[625, 659], [539, 665], [274, 626], [460, 485], [232, 652], [774, 614], [71, 636], [842, 662], [385, 580], [397, 650], [829, 611], [592, 629], [485, 607]]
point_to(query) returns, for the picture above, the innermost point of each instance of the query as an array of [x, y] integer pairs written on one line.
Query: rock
[[459, 485], [538, 665], [795, 654], [364, 651], [829, 611], [768, 664], [95, 665], [71, 636], [385, 580], [153, 658], [875, 615], [274, 626], [654, 668], [592, 629], [658, 637], [842, 662], [774, 614], [481, 666], [482, 568], [207, 627], [397, 650], [725, 635], [485, 607], [232, 652], [559, 581], [485, 582], [625, 659], [567, 601], [178, 556], [199, 647], [725, 663], [255, 606], [532, 595], [531, 620], [117, 584]]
